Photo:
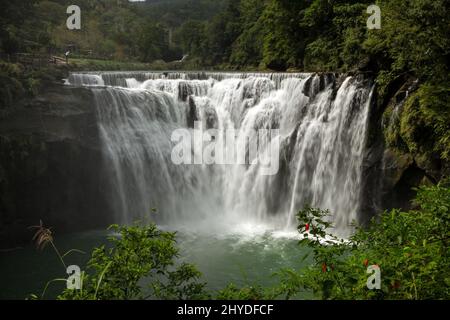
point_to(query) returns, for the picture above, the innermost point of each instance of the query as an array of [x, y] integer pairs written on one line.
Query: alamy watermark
[[374, 21], [374, 280], [74, 279], [227, 147], [74, 20]]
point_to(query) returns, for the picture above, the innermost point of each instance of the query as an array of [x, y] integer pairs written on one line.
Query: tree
[[191, 37], [414, 38], [152, 43], [248, 48], [221, 32], [13, 16], [283, 41]]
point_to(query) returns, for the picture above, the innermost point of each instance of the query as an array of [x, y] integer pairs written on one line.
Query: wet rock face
[[50, 166], [390, 169], [396, 169], [400, 176], [401, 173]]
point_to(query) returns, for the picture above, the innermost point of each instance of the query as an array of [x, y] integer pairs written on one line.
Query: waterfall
[[321, 122]]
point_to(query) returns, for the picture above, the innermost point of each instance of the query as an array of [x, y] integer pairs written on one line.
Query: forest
[[318, 35]]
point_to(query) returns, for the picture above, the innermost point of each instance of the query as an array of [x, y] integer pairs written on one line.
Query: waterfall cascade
[[322, 124]]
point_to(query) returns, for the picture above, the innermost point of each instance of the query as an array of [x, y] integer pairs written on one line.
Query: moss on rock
[[420, 125], [425, 122]]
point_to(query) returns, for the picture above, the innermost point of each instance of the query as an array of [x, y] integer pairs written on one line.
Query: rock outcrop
[[50, 165]]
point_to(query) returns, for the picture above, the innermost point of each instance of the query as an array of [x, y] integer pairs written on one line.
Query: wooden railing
[[33, 59]]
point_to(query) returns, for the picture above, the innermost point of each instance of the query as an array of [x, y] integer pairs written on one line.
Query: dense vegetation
[[277, 34], [325, 35], [410, 248], [110, 29], [115, 34]]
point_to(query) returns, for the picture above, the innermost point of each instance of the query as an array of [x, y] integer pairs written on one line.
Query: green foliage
[[322, 35], [414, 38], [221, 32], [316, 35], [319, 48], [111, 29], [137, 257], [152, 42], [175, 13], [336, 31], [10, 86], [191, 37], [232, 292], [247, 49], [422, 126], [411, 248], [181, 284], [425, 123], [16, 19], [283, 44]]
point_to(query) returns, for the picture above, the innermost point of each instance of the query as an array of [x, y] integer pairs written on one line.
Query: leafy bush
[[138, 257], [232, 292], [425, 124], [10, 86], [411, 249], [421, 125]]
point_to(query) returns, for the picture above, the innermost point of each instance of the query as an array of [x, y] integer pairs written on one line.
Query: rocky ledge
[[49, 145]]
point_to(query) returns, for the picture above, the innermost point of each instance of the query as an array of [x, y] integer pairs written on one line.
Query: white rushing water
[[322, 123]]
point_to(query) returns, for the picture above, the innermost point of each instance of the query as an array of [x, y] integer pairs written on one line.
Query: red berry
[[366, 262], [307, 227], [324, 267]]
